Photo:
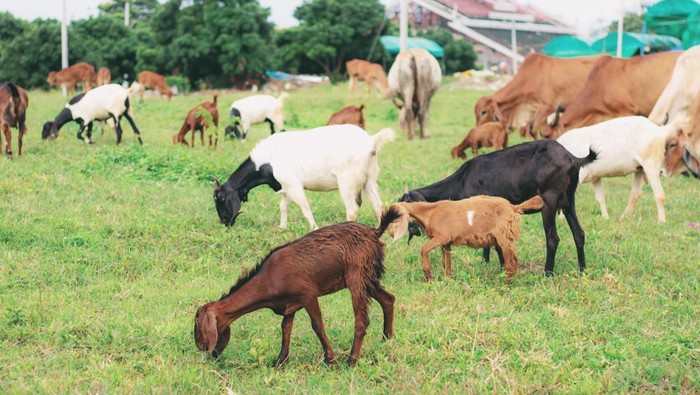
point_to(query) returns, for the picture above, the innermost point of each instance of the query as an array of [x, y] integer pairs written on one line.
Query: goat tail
[[382, 137], [534, 203], [215, 98], [581, 162], [388, 217], [283, 96], [13, 90], [362, 107]]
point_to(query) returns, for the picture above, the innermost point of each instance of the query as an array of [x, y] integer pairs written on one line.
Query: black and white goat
[[104, 103], [342, 157], [516, 174], [256, 109]]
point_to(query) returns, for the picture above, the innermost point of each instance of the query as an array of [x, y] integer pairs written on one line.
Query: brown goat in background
[[490, 134], [479, 221], [293, 276], [103, 77], [348, 115], [196, 120], [13, 111]]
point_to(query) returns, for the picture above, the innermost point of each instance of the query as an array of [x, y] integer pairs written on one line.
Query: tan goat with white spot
[[479, 221]]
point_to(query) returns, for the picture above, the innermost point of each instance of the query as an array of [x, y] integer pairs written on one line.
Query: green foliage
[[182, 83], [330, 33], [459, 53], [140, 11], [103, 41], [631, 23], [29, 56], [107, 251]]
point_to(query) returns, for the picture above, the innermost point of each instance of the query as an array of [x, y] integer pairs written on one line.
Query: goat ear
[[216, 183], [401, 226], [210, 335]]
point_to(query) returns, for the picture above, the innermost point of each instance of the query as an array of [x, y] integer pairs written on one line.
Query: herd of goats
[[599, 116]]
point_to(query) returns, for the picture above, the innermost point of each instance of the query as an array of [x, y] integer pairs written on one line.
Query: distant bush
[[182, 83]]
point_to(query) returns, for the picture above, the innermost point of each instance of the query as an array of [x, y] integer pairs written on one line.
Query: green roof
[[635, 43], [568, 47], [670, 17], [391, 44]]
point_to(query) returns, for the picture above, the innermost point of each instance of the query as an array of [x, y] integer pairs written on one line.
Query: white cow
[[414, 78]]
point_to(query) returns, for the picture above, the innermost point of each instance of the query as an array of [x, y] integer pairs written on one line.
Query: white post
[[620, 29], [403, 25], [126, 13], [514, 48], [64, 44]]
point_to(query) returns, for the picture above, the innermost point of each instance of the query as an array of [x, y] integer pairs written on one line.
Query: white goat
[[342, 157], [623, 145], [256, 109], [104, 103]]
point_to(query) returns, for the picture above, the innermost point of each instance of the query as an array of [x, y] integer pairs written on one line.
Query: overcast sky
[[585, 15]]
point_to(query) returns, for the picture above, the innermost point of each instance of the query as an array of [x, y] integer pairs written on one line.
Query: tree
[[459, 53], [103, 41], [139, 10], [212, 42], [631, 23], [331, 32], [29, 56]]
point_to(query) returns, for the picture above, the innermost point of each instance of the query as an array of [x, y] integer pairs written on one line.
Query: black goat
[[516, 174]]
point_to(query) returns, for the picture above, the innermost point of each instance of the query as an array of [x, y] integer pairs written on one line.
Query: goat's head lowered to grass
[[228, 203]]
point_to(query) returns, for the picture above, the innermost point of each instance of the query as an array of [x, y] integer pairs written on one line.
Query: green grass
[[107, 251]]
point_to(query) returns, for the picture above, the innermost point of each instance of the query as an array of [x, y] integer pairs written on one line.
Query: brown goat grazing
[[348, 115], [293, 276], [490, 134], [104, 76], [197, 121], [13, 110], [79, 73], [151, 80], [479, 221]]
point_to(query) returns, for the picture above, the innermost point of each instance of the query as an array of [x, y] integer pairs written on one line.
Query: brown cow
[[348, 115], [371, 73], [542, 84], [197, 121], [13, 110], [616, 87], [151, 80], [104, 76], [79, 73]]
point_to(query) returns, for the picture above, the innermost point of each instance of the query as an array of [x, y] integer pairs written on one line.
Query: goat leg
[[314, 311], [447, 259], [386, 300], [287, 323], [359, 307]]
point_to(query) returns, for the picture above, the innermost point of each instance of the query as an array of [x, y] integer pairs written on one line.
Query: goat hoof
[[548, 273], [352, 361], [329, 360], [280, 361]]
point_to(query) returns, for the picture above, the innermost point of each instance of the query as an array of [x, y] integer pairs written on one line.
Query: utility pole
[[64, 44], [126, 13], [403, 25], [620, 29]]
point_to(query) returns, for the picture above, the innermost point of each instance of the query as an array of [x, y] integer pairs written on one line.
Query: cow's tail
[[585, 161], [415, 106]]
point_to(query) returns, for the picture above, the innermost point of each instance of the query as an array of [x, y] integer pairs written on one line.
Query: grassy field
[[107, 251]]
